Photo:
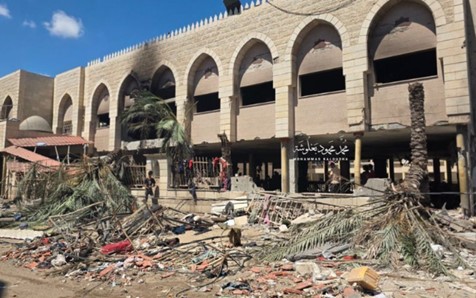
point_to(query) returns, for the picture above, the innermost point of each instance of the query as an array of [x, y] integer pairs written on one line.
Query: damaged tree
[[91, 188], [397, 225]]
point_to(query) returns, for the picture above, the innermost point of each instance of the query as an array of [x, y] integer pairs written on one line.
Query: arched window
[[65, 116], [256, 75], [205, 82], [127, 91], [6, 108], [319, 60], [163, 86], [402, 43], [101, 101]]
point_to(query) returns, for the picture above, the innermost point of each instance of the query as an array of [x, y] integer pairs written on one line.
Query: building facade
[[277, 71]]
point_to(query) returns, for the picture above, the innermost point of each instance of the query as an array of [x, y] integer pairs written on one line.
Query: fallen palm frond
[[76, 188], [399, 227]]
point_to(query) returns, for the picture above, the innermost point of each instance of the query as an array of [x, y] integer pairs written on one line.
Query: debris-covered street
[[163, 252]]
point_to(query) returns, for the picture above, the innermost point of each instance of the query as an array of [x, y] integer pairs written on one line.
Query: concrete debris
[[171, 245]]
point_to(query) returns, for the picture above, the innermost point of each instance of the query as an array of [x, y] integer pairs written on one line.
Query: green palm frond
[[150, 114]]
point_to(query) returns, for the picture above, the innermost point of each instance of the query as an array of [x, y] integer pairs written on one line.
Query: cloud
[[30, 24], [65, 26], [4, 12]]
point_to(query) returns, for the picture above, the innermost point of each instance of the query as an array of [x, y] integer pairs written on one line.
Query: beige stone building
[[279, 72]]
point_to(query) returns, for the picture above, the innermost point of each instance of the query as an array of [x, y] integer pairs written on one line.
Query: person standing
[[149, 184], [334, 178]]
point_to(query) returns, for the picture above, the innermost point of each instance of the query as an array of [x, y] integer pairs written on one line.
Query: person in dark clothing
[[149, 184], [192, 188]]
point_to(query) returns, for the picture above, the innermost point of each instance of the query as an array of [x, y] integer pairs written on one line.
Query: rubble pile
[[231, 251]]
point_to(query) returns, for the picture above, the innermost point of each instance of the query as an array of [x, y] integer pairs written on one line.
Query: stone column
[[284, 166], [462, 173], [114, 131], [252, 166], [355, 68], [391, 168], [380, 167], [436, 170], [357, 158], [449, 174], [228, 109]]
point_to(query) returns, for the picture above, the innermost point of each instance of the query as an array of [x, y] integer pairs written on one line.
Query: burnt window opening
[[322, 82], [406, 67], [147, 132], [256, 94], [207, 102], [103, 120], [166, 93], [141, 135]]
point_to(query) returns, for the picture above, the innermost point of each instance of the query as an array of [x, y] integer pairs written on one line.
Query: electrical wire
[[333, 8]]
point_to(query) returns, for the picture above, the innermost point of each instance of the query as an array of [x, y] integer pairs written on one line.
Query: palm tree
[[150, 115], [417, 178], [395, 226]]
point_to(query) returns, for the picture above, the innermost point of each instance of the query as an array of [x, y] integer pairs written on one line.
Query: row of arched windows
[[401, 46]]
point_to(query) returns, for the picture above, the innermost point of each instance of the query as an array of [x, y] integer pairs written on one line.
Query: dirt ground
[[22, 282]]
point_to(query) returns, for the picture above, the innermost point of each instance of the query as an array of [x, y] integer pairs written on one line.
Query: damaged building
[[292, 84]]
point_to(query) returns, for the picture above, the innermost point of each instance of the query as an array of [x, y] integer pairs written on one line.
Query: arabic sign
[[306, 150]]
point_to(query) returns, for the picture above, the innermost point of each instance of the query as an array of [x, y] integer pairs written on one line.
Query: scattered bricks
[[261, 280], [297, 280], [281, 273], [167, 275], [303, 285], [349, 292], [107, 270], [203, 266], [256, 270], [147, 264], [287, 267], [270, 276], [32, 265], [241, 293], [292, 291]]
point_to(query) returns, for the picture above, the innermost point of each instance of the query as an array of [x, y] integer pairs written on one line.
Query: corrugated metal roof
[[54, 140], [31, 156]]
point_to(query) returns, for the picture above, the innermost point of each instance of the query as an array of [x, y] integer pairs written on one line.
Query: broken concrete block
[[366, 277], [307, 268]]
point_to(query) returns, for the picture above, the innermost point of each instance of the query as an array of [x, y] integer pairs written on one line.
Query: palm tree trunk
[[417, 178]]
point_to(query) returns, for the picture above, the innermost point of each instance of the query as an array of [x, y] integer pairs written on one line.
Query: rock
[[349, 292], [306, 268], [59, 261]]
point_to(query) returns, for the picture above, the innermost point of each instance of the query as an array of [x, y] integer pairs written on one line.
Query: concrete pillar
[[252, 168], [293, 168], [380, 168], [284, 166], [436, 170], [391, 168], [357, 158], [345, 169], [114, 132], [449, 174], [462, 173], [355, 67], [228, 110]]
